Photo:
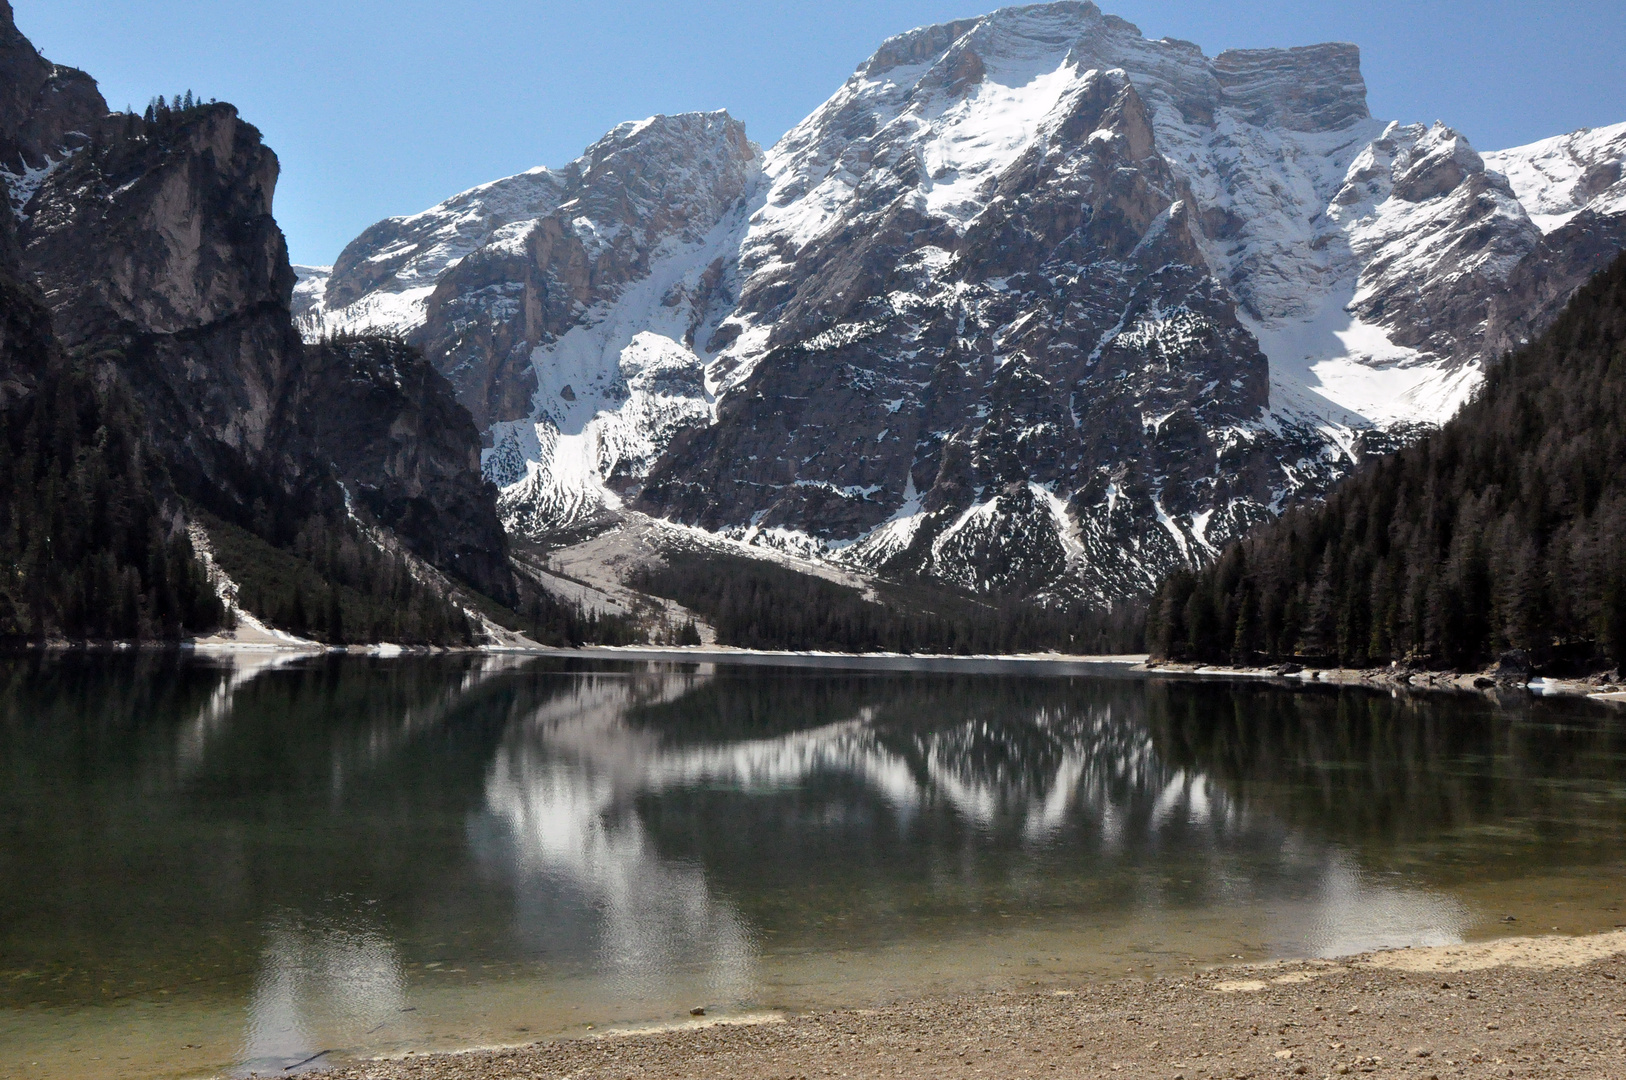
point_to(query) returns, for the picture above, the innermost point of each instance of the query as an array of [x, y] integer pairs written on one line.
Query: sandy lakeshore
[[1548, 1007]]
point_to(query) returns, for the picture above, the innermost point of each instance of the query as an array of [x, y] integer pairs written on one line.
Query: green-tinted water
[[217, 866]]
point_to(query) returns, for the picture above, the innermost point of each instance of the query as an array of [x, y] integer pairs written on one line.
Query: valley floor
[[1522, 1007]]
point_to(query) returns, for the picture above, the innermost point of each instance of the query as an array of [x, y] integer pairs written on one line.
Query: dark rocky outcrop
[[377, 414], [1542, 283], [157, 248]]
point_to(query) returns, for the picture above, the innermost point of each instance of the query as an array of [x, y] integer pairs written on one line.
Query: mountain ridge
[[1371, 266]]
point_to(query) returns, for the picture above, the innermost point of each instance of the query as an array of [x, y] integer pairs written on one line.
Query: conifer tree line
[[335, 585], [85, 549], [1505, 529], [549, 620], [163, 112], [755, 604]]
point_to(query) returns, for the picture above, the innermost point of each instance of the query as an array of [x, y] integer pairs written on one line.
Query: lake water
[[227, 867]]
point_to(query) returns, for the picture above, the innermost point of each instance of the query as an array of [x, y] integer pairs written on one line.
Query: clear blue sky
[[380, 107]]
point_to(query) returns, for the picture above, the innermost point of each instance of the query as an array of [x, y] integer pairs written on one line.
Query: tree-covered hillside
[[1504, 529], [757, 605], [86, 550]]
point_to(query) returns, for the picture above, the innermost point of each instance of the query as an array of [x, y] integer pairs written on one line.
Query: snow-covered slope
[[1022, 268], [1557, 178], [383, 278], [1032, 304], [566, 305]]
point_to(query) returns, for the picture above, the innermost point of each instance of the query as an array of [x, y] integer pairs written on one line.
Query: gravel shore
[[1521, 1007], [1603, 687]]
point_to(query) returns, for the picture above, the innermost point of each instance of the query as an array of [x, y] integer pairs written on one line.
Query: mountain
[[149, 245], [616, 261], [1033, 305], [1503, 530]]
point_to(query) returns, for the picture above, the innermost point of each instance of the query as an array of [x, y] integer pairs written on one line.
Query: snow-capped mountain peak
[[1031, 304]]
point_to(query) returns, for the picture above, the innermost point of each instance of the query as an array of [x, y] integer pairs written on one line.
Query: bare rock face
[[490, 277], [1574, 187], [638, 192], [395, 264], [572, 309], [1437, 233], [1538, 288], [157, 248], [980, 336], [1065, 332], [46, 112], [182, 210], [1310, 88]]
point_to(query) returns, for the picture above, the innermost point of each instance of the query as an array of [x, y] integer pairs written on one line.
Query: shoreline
[[711, 654], [1530, 1006], [1596, 688], [678, 654]]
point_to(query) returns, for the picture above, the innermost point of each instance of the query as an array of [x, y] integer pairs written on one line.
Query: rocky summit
[[1032, 305]]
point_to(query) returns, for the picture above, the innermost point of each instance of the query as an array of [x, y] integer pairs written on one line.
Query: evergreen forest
[[334, 585], [1503, 530], [757, 605], [85, 549]]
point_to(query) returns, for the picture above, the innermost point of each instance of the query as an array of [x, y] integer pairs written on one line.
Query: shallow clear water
[[236, 866]]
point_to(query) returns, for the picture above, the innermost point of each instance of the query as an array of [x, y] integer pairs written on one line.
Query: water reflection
[[1351, 913], [559, 787], [237, 670], [963, 800], [330, 843]]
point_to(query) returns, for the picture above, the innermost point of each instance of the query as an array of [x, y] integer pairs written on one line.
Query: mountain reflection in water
[[333, 841], [948, 794]]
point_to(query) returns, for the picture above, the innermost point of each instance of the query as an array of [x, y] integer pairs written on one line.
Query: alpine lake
[[265, 864]]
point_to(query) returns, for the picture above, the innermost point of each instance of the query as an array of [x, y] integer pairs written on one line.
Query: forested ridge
[[1505, 529], [334, 585]]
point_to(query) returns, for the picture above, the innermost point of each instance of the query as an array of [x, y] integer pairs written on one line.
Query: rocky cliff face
[[46, 112], [379, 416], [498, 273], [1574, 187], [156, 251], [569, 309], [1032, 304], [156, 246]]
